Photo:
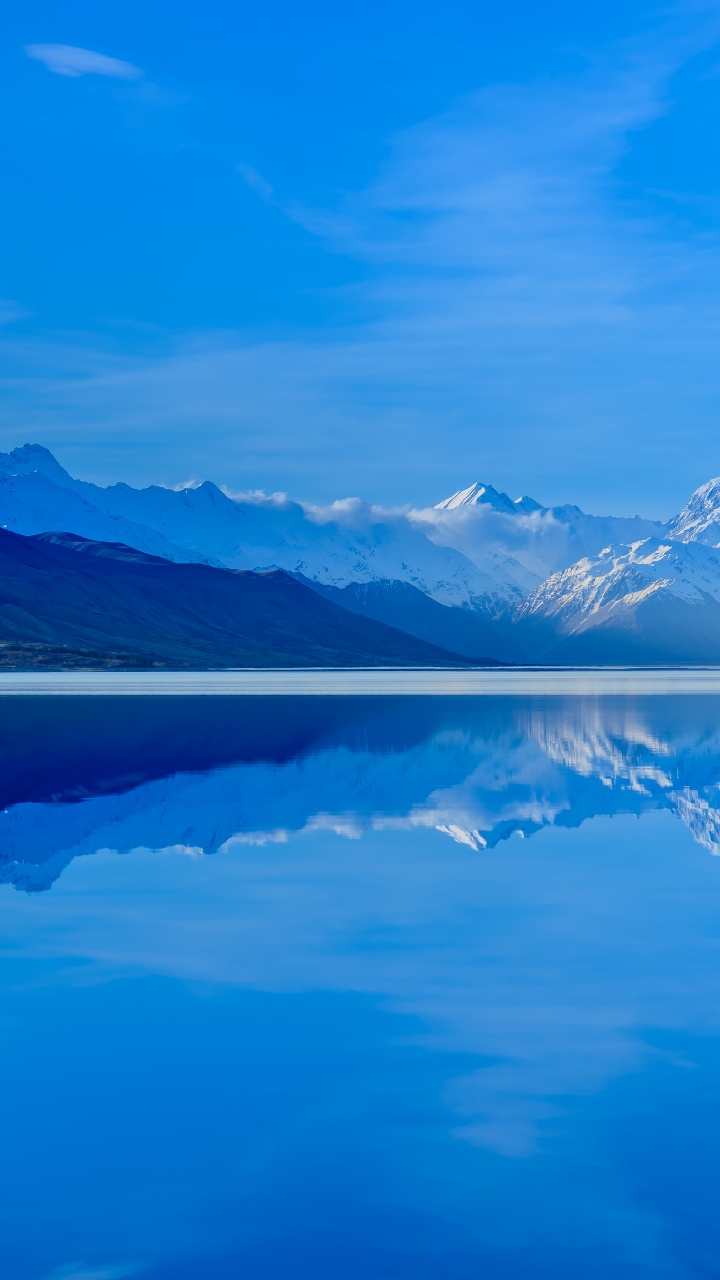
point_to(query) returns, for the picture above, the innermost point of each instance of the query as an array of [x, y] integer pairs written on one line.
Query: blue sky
[[386, 249]]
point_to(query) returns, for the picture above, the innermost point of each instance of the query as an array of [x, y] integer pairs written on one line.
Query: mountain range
[[70, 602], [480, 575]]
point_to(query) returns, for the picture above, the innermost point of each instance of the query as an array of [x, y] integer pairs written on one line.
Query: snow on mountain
[[532, 540], [485, 493], [626, 576], [655, 598], [33, 457], [31, 502], [551, 574], [699, 520], [348, 542]]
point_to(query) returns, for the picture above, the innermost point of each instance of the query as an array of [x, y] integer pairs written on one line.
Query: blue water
[[374, 988]]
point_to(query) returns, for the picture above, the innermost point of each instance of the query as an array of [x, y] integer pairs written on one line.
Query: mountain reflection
[[208, 774]]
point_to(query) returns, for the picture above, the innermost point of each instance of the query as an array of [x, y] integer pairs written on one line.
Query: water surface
[[388, 987]]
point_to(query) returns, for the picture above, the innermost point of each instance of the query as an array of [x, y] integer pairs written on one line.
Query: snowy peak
[[548, 575], [699, 520], [204, 523], [624, 577], [652, 602], [485, 493], [29, 458], [485, 524]]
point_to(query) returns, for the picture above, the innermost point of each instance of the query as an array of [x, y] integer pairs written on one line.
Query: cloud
[[259, 497], [255, 180], [66, 60], [515, 301], [81, 1271]]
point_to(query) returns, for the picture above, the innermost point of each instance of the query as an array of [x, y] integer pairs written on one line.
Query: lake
[[364, 984]]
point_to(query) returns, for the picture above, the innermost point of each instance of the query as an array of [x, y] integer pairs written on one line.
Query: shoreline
[[375, 682]]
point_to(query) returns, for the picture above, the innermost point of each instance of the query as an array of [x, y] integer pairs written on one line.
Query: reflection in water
[[375, 1036], [164, 773]]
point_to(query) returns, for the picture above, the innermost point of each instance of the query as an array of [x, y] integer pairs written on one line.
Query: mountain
[[651, 602], [478, 492], [400, 605], [32, 503], [481, 574], [452, 553], [348, 542], [66, 601], [699, 520], [485, 524]]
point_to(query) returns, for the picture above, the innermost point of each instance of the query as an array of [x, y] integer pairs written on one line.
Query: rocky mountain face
[[699, 520], [651, 602]]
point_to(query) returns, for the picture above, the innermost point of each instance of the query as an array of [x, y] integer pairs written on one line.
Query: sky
[[382, 250]]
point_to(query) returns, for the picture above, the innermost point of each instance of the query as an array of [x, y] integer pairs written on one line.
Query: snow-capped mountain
[[652, 601], [485, 493], [548, 583], [33, 503], [349, 542], [699, 520], [484, 523]]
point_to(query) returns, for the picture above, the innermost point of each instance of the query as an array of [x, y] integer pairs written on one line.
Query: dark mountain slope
[[654, 632], [399, 604], [65, 601]]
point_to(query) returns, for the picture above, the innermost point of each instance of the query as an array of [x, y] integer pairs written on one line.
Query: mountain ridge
[[479, 567], [117, 605], [205, 525], [658, 599]]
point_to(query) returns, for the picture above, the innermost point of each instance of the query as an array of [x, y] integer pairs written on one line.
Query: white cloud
[[66, 60]]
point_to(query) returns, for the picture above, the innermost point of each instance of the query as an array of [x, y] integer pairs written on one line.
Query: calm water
[[360, 987]]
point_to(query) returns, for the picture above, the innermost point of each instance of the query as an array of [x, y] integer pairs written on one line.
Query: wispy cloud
[[515, 301], [504, 211], [255, 180], [67, 60], [82, 1271]]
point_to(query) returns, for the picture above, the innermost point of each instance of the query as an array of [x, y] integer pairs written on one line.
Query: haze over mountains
[[480, 574]]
